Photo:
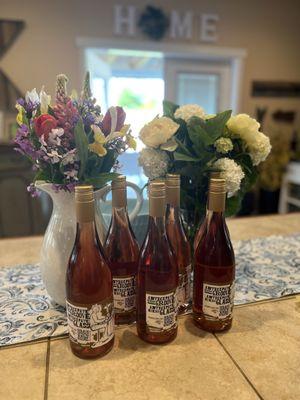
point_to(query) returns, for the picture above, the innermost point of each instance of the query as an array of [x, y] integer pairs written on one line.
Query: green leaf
[[169, 108], [215, 126], [198, 134], [185, 157], [101, 179], [81, 142], [233, 205], [184, 149]]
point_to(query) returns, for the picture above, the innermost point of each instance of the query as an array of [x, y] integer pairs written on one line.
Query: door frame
[[235, 57]]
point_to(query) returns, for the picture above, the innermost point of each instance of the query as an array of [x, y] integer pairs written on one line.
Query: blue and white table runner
[[266, 268]]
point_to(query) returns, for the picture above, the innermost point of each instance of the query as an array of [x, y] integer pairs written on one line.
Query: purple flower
[[33, 190], [21, 102], [24, 143]]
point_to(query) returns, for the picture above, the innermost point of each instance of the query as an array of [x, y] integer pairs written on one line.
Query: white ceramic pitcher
[[60, 235]]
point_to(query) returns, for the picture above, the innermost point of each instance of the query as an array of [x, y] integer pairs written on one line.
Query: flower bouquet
[[193, 144], [70, 142]]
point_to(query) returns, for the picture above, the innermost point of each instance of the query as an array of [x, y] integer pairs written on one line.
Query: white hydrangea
[[158, 131], [247, 129], [232, 173], [154, 162], [188, 111], [223, 145]]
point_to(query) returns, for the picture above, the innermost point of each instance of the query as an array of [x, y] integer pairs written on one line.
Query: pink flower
[[44, 124], [113, 120]]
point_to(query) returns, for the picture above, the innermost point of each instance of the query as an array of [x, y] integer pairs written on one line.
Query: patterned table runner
[[265, 268]]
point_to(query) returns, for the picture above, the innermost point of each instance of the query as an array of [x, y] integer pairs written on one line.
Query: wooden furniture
[[291, 177], [258, 358], [20, 214]]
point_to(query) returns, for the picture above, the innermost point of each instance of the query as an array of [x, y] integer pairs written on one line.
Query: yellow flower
[[99, 140], [19, 117], [131, 142], [98, 148]]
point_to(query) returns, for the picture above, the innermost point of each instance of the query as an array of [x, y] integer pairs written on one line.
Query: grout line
[[47, 371], [239, 368]]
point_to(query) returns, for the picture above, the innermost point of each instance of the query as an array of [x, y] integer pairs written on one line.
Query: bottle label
[[124, 289], [91, 325], [218, 300], [184, 287], [161, 312]]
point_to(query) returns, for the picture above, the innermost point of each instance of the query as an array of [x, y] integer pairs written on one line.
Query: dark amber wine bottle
[[214, 270], [89, 285], [179, 242], [157, 276], [122, 251]]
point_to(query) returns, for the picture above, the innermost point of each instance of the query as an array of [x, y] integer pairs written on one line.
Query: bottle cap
[[157, 198], [119, 194], [157, 189], [215, 174], [119, 182], [217, 185], [84, 194], [173, 189], [84, 199]]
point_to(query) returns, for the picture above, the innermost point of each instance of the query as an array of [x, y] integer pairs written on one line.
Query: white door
[[208, 84]]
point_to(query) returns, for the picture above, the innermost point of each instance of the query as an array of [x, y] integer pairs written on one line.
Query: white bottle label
[[91, 325], [124, 289], [218, 300], [161, 312], [184, 287]]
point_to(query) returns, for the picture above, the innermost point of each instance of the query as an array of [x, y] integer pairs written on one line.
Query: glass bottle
[[214, 270], [89, 285], [179, 242], [122, 251], [157, 276]]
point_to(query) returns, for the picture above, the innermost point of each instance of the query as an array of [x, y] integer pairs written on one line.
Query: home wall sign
[[178, 25]]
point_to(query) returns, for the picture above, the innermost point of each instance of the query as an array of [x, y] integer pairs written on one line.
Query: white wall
[[268, 30]]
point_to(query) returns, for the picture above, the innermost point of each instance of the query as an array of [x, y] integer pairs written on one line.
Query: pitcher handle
[[139, 198]]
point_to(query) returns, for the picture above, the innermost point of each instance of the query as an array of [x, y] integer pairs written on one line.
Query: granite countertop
[[258, 358]]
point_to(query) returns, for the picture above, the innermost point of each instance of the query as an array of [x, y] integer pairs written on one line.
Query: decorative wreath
[[154, 23]]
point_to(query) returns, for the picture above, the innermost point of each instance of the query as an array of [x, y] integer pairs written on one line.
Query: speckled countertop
[[258, 359]]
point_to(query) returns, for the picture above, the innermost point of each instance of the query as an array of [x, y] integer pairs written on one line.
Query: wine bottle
[[157, 276], [122, 251], [179, 242], [89, 285], [214, 270]]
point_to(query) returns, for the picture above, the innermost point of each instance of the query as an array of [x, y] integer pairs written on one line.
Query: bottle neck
[[173, 213], [157, 224], [119, 198], [216, 202], [173, 196], [119, 216]]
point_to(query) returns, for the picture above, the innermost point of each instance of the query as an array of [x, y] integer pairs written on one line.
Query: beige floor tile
[[22, 372], [193, 367], [265, 342]]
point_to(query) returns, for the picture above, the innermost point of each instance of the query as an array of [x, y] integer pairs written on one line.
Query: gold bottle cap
[[119, 195], [215, 174], [84, 199], [157, 189], [217, 194], [157, 198], [84, 194], [173, 189], [119, 182]]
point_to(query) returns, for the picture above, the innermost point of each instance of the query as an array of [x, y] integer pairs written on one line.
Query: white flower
[[70, 157], [259, 148], [223, 145], [54, 156], [158, 131], [32, 97], [45, 100], [71, 174], [154, 162], [188, 111], [232, 173], [247, 129]]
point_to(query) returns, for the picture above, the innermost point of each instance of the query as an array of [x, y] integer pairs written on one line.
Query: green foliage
[[81, 142], [194, 158]]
